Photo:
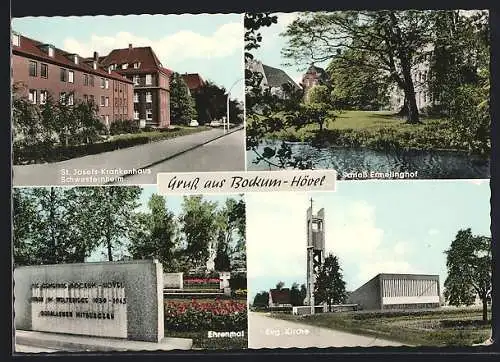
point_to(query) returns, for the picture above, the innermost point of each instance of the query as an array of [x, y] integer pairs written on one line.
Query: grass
[[439, 328], [379, 130]]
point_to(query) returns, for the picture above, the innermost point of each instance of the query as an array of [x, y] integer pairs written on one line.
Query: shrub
[[124, 126]]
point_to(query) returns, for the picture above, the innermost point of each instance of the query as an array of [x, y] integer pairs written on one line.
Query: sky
[[174, 204], [269, 52], [208, 44], [372, 226]]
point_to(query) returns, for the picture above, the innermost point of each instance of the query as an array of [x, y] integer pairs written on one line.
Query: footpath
[[105, 167]]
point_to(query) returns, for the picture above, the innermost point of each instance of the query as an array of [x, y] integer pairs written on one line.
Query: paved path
[[97, 167], [267, 332], [223, 154]]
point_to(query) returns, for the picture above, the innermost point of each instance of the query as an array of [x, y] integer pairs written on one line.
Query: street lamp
[[227, 104]]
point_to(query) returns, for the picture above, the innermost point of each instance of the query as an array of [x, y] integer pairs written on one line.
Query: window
[[136, 114], [94, 65], [33, 68], [124, 66], [106, 120], [149, 114], [51, 51], [136, 97], [116, 102], [44, 70], [75, 59], [32, 96], [91, 98], [137, 65], [148, 79], [71, 76], [106, 83], [85, 98], [148, 97], [62, 98], [136, 80], [70, 98], [43, 96], [85, 79], [103, 99], [64, 75], [91, 80], [103, 82], [15, 40], [106, 102]]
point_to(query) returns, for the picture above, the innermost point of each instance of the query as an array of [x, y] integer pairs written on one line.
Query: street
[[267, 332], [223, 154]]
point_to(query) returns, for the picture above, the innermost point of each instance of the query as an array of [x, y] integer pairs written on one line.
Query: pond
[[361, 163]]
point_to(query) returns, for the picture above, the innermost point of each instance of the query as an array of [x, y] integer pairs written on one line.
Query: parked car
[[193, 123], [215, 124]]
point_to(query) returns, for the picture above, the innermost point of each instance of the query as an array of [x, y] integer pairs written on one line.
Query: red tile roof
[[280, 296], [145, 55], [33, 49], [193, 80]]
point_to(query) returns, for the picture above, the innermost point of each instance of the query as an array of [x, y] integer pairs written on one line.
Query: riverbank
[[382, 131]]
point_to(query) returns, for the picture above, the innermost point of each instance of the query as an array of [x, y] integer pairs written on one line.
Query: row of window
[[136, 65], [66, 75], [149, 114], [40, 97], [136, 78], [149, 97]]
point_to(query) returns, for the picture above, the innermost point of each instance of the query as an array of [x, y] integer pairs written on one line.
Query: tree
[[280, 285], [261, 299], [297, 294], [469, 264], [330, 286], [182, 105], [389, 40], [47, 229], [362, 87], [113, 208], [154, 233], [211, 104], [198, 227], [231, 222]]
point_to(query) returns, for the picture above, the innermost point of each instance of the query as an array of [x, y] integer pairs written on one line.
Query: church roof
[[277, 77], [280, 296]]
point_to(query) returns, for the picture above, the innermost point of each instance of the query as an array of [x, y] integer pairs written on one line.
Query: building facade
[[314, 76], [280, 298], [40, 71], [151, 81], [398, 291]]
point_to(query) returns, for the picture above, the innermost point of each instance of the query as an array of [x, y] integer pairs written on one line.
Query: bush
[[124, 126]]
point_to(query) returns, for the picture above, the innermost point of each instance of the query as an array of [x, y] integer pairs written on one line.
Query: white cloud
[[276, 238], [182, 45]]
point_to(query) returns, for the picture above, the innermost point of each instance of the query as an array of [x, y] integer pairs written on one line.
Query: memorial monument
[[83, 302]]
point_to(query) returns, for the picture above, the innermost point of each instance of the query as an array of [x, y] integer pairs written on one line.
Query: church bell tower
[[315, 250]]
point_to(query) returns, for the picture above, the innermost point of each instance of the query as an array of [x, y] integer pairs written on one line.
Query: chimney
[[96, 56], [130, 46]]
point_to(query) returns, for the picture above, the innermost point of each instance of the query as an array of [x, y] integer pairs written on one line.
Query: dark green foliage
[[261, 300], [238, 281], [211, 104], [297, 294], [182, 105], [469, 264], [123, 127], [330, 286]]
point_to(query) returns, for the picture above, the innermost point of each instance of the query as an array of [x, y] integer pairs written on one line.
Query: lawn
[[380, 130], [439, 328]]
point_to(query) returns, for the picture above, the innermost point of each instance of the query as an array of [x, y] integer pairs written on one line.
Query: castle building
[[151, 81], [314, 76], [40, 70], [398, 291]]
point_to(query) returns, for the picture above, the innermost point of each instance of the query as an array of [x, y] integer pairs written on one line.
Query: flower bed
[[193, 315]]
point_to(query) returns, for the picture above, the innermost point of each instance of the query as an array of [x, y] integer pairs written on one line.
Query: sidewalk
[[105, 167]]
